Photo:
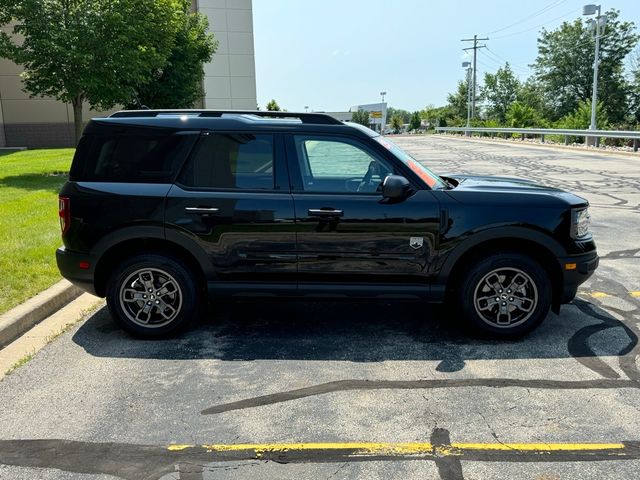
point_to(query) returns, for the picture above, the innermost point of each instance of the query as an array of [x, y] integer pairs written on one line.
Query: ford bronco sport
[[163, 208]]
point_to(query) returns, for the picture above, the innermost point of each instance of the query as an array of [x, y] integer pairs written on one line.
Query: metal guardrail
[[541, 132]]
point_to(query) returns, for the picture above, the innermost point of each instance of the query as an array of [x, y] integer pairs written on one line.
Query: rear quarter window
[[144, 157]]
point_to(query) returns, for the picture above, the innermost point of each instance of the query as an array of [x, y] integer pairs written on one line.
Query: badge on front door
[[416, 242]]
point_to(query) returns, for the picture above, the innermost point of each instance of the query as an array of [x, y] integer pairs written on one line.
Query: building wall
[[229, 82], [230, 79]]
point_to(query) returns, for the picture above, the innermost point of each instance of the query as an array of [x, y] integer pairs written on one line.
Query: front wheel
[[505, 295], [152, 295]]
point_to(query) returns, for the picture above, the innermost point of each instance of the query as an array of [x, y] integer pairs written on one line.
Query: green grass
[[20, 363], [29, 224]]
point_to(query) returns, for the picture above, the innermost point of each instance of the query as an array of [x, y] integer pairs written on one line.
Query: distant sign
[[375, 114]]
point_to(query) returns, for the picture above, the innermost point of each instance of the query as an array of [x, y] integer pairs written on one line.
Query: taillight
[[64, 211]]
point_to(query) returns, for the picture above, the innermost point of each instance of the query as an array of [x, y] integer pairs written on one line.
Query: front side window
[[231, 161], [336, 165]]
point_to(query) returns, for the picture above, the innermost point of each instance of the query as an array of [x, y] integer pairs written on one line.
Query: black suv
[[163, 207]]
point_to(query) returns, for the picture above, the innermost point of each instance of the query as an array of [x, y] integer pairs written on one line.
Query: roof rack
[[310, 118]]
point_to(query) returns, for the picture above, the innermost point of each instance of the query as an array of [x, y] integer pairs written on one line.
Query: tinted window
[[231, 161], [146, 158], [335, 165]]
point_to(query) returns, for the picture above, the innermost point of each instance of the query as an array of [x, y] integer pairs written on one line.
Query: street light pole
[[382, 118], [590, 10], [467, 65]]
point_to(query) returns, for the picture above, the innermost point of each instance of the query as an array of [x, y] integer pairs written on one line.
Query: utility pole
[[475, 48]]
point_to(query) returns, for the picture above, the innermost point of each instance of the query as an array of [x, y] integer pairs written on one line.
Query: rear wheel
[[505, 295], [152, 295]]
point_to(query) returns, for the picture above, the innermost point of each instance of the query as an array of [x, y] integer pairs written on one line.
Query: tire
[[505, 295], [153, 296]]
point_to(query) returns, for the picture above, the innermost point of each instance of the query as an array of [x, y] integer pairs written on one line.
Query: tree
[[500, 90], [438, 116], [564, 66], [416, 122], [580, 118], [397, 123], [404, 114], [520, 115], [532, 95], [88, 50], [179, 83], [273, 106], [361, 117], [634, 86], [458, 102]]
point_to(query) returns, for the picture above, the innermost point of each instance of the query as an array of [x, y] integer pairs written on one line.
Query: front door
[[346, 231], [232, 199]]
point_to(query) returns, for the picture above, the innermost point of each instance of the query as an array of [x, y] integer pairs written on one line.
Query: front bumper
[[69, 266], [585, 265]]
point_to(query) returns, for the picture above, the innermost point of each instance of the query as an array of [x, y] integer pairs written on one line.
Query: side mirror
[[395, 187]]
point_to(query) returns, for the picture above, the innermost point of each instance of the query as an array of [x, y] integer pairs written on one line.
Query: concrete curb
[[23, 317]]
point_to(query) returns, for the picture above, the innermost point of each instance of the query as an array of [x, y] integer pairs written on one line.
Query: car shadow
[[365, 332], [52, 181]]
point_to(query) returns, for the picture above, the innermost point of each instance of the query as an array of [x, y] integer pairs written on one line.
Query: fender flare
[[497, 233], [155, 232]]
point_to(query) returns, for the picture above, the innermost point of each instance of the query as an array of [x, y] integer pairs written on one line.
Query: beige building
[[229, 82]]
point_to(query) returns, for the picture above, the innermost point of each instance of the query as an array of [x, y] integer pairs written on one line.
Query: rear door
[[232, 199], [347, 232]]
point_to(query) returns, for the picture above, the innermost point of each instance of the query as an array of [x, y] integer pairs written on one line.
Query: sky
[[332, 54]]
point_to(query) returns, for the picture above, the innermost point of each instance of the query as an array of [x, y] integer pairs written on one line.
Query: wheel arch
[[539, 246], [117, 252]]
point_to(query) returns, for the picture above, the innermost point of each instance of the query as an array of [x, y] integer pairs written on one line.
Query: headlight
[[580, 223]]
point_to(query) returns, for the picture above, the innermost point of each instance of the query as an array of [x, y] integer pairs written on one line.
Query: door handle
[[324, 212], [202, 210]]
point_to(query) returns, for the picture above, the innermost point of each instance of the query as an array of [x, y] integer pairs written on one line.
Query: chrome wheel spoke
[[523, 303], [146, 278], [130, 295], [167, 311], [504, 315], [518, 282], [144, 314], [486, 303], [493, 282], [167, 288]]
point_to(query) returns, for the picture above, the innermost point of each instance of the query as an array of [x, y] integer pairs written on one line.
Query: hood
[[476, 182], [508, 186]]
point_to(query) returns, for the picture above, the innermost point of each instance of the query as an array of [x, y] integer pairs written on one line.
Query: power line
[[515, 66], [537, 26], [546, 8]]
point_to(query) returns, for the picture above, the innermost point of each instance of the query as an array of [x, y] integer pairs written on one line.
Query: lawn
[[29, 225]]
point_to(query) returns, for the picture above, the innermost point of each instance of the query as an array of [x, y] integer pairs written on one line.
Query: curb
[[23, 317]]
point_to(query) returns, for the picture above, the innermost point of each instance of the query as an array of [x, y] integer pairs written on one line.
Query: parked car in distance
[[164, 209]]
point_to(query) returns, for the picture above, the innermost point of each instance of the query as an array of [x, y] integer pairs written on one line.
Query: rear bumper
[[585, 265], [69, 266]]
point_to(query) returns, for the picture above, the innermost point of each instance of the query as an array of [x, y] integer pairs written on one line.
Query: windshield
[[426, 175]]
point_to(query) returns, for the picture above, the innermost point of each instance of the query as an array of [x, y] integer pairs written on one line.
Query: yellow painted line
[[635, 294], [411, 448], [365, 447], [179, 448], [599, 294]]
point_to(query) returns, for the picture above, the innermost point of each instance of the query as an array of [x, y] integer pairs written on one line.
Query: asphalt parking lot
[[295, 390]]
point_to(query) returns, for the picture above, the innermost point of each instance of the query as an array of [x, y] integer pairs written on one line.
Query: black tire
[[514, 305], [153, 295]]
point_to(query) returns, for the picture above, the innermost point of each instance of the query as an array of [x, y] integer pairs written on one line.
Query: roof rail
[[310, 118]]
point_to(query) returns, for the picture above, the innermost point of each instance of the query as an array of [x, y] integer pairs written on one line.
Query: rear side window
[[239, 161], [149, 157]]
